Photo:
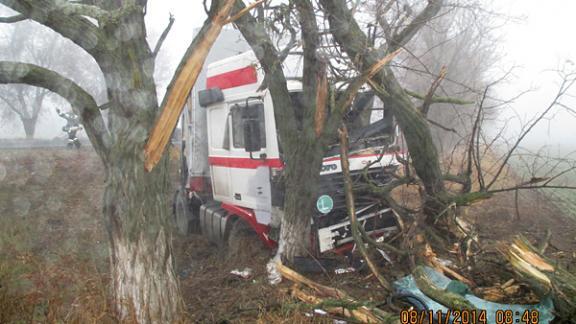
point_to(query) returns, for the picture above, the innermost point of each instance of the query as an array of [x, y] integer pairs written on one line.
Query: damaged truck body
[[232, 162]]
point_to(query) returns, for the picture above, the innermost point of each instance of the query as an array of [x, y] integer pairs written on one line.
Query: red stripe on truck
[[244, 163], [231, 79]]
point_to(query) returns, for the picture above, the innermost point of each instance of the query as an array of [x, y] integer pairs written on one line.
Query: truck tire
[[182, 213], [244, 244]]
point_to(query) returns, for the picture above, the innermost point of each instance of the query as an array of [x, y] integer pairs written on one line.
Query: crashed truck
[[232, 163]]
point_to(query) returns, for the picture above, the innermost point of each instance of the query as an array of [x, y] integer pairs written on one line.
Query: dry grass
[[53, 251]]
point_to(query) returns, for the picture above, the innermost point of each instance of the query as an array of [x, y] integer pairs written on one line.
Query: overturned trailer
[[232, 162]]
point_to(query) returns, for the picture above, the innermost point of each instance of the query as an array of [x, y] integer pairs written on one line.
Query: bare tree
[[26, 102]]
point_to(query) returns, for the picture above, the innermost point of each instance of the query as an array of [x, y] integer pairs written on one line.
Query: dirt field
[[53, 250]]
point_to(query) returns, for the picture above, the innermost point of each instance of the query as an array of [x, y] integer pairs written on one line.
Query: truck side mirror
[[252, 141], [209, 97]]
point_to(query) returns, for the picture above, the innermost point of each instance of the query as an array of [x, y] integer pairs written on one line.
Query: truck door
[[219, 151], [249, 174]]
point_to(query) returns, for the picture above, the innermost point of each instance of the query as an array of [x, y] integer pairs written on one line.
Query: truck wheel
[[244, 244], [182, 213]]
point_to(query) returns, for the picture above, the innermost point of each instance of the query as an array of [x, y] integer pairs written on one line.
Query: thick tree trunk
[[302, 179], [144, 283], [29, 125]]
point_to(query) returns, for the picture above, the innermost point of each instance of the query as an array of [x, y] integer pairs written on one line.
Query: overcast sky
[[541, 41]]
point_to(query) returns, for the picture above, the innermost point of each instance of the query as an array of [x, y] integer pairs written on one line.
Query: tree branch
[[314, 69], [163, 36], [435, 84], [348, 34], [78, 29], [437, 124], [12, 19], [11, 106], [243, 11], [182, 82], [402, 38], [82, 102], [567, 83], [437, 99]]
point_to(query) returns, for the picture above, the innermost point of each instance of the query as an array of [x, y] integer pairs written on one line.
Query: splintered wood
[[542, 275], [330, 296], [181, 85]]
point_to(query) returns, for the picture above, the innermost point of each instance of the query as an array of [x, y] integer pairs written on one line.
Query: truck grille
[[333, 186]]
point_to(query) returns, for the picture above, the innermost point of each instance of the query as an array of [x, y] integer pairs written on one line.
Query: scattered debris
[[340, 303], [438, 293], [244, 274], [344, 270], [274, 276]]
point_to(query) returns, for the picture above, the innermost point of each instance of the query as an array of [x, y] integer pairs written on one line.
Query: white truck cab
[[244, 161]]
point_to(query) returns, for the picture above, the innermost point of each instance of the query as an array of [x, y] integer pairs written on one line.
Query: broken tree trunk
[[546, 278]]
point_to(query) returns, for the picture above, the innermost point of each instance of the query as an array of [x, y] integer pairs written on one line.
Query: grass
[[53, 254]]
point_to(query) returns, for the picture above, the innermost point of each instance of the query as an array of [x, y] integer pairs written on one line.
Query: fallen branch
[[346, 305]]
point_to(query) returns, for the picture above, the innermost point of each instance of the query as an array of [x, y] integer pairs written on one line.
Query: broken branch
[[243, 12], [181, 85]]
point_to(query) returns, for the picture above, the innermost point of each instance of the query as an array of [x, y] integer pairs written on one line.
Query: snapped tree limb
[[182, 83], [361, 312], [532, 267]]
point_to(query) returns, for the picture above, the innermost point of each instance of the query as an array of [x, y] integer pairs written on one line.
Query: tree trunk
[[302, 179], [144, 283], [29, 126]]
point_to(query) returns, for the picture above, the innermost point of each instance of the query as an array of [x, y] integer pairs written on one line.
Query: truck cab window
[[238, 123]]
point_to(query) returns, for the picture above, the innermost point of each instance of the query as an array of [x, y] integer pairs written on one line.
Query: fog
[[536, 42]]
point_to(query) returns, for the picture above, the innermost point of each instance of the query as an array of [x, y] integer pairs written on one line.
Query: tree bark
[[302, 180], [144, 283], [145, 286]]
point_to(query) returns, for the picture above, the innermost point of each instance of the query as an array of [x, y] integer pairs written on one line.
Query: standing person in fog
[[71, 128]]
